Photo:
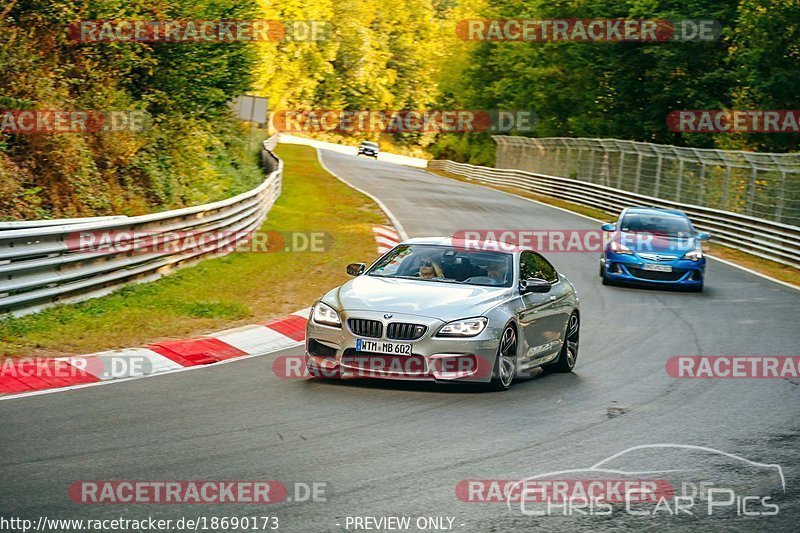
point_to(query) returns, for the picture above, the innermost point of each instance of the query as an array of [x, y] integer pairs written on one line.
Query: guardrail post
[[555, 169], [658, 176], [702, 186], [680, 181], [751, 193], [726, 185], [779, 203], [638, 177]]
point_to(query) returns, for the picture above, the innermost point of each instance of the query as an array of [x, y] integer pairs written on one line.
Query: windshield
[[369, 144], [657, 224], [446, 264]]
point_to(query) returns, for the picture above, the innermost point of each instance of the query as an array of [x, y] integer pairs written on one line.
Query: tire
[[569, 350], [603, 274], [505, 364]]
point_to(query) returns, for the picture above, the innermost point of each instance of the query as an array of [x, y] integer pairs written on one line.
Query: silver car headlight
[[325, 314], [467, 327], [694, 255]]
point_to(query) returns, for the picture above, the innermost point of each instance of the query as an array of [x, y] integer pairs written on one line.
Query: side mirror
[[356, 269], [703, 236], [534, 285], [609, 227]]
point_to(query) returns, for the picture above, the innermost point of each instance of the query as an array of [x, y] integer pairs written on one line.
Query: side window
[[527, 265], [532, 265]]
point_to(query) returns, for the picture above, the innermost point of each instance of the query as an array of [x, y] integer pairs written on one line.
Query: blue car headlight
[[694, 255], [619, 248]]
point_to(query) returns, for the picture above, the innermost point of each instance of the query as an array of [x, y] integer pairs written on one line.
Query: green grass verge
[[764, 266], [234, 290]]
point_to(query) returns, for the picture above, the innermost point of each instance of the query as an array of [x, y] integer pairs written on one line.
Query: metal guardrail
[[761, 185], [764, 238], [47, 264], [22, 224]]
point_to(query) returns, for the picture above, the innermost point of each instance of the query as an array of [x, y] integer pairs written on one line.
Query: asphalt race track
[[398, 449]]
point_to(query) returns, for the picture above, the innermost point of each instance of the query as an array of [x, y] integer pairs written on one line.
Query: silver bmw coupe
[[446, 310]]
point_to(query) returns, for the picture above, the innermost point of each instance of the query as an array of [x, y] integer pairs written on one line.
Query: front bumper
[[629, 268], [331, 352], [370, 153]]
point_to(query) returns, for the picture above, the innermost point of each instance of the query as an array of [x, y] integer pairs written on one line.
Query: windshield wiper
[[415, 278]]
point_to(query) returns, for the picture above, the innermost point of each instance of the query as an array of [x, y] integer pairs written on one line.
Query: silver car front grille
[[404, 331], [365, 328]]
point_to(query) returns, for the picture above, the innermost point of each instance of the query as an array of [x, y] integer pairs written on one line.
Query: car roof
[[654, 210], [481, 244]]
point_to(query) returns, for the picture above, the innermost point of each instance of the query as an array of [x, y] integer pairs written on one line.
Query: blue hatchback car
[[653, 246]]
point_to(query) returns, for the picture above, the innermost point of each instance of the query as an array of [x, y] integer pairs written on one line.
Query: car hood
[[658, 244], [445, 301]]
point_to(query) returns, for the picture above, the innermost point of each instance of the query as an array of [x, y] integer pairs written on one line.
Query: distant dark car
[[369, 148]]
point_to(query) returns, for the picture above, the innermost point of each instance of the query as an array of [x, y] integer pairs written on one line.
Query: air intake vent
[[320, 350]]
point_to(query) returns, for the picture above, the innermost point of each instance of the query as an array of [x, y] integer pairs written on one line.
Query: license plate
[[657, 268], [392, 348]]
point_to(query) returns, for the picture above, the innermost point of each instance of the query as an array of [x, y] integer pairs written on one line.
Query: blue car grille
[[675, 275], [657, 257]]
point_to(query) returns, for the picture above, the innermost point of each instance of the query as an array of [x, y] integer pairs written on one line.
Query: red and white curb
[[386, 237], [21, 377]]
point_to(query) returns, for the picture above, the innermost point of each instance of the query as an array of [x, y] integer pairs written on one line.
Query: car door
[[543, 315]]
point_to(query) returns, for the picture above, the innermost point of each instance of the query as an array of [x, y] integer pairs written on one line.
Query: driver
[[496, 271], [429, 269]]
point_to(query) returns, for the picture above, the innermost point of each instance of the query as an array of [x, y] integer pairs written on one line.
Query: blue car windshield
[[657, 224], [446, 264]]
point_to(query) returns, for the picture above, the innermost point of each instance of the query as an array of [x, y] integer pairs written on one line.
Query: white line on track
[[396, 223]]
